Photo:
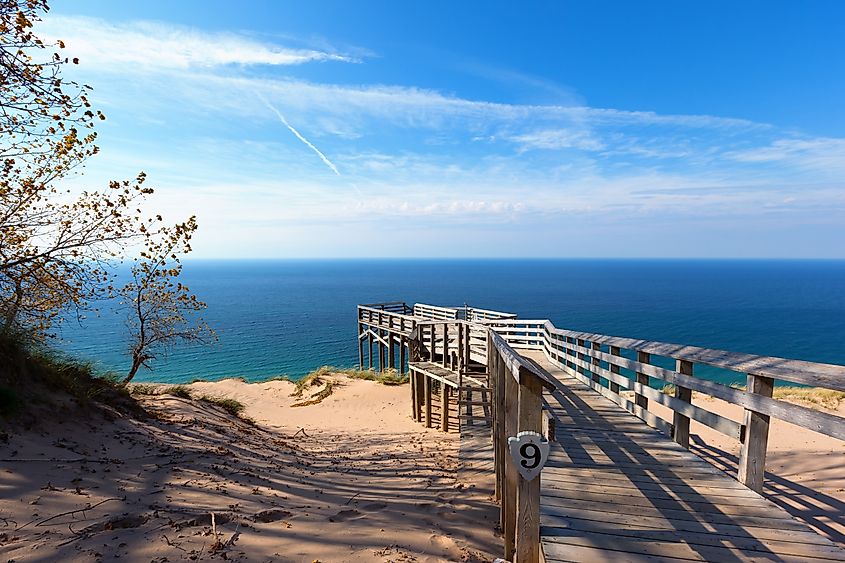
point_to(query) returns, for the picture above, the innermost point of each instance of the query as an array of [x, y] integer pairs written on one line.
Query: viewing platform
[[619, 481]]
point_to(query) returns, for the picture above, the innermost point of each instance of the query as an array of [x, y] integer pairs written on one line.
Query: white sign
[[529, 451]]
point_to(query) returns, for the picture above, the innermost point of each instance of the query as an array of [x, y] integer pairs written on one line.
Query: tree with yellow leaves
[[58, 249]]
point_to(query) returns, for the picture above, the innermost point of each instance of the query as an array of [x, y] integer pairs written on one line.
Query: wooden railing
[[475, 314], [517, 389], [435, 312], [613, 365]]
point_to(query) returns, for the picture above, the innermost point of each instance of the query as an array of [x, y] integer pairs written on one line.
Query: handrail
[[600, 362]]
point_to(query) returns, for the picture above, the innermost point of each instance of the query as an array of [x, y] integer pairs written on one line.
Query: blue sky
[[345, 129]]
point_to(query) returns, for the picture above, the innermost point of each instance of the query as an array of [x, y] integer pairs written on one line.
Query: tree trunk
[[136, 363]]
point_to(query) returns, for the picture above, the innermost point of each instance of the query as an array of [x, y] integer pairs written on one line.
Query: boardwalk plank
[[615, 489]]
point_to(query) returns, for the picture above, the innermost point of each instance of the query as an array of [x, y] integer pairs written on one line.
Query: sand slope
[[350, 479]]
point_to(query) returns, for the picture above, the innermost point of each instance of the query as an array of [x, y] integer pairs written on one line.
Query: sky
[[474, 129]]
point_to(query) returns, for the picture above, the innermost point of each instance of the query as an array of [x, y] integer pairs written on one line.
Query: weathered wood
[[680, 422], [642, 379], [752, 457], [427, 391], [413, 385], [595, 346], [444, 408], [511, 418], [432, 340], [528, 492], [445, 345], [370, 354], [391, 351], [360, 346], [402, 344], [420, 379], [615, 351]]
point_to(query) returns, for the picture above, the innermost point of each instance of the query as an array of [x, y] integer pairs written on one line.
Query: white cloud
[[557, 139], [150, 45]]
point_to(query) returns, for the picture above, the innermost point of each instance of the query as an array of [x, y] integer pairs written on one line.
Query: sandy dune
[[350, 479]]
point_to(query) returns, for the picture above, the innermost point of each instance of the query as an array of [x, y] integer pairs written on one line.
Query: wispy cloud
[[156, 45], [199, 123]]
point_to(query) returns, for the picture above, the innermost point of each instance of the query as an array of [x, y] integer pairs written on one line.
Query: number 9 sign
[[529, 451]]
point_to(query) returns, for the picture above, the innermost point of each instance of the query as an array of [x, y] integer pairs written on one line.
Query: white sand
[[350, 479]]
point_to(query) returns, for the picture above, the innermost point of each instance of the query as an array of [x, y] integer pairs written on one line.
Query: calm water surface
[[289, 317]]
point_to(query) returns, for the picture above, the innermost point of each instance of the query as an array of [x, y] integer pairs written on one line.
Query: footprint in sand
[[344, 515], [271, 515], [374, 506]]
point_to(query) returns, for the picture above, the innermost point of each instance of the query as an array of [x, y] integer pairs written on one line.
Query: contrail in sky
[[328, 162]]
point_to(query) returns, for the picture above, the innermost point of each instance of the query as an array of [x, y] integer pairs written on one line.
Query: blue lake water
[[289, 317]]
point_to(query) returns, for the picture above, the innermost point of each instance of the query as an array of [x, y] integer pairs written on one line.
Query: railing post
[[511, 428], [642, 400], [446, 345], [370, 342], [380, 349], [427, 391], [615, 351], [493, 378], [360, 346], [402, 342], [391, 350], [752, 456], [528, 497], [444, 407], [680, 422], [596, 362], [460, 347], [432, 340]]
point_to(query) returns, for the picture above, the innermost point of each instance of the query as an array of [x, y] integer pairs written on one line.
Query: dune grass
[[319, 377], [231, 406], [807, 396], [36, 374]]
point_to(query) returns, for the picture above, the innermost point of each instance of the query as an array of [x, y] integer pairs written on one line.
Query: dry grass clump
[[231, 406], [811, 396], [321, 377], [181, 391]]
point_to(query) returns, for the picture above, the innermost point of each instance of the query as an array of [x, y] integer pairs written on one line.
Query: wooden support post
[[432, 340], [461, 360], [445, 345], [414, 410], [391, 351], [752, 456], [493, 382], [614, 351], [360, 346], [428, 422], [402, 344], [595, 361], [680, 422], [444, 407], [467, 349], [381, 350], [370, 340], [511, 417], [642, 400], [528, 492], [420, 383]]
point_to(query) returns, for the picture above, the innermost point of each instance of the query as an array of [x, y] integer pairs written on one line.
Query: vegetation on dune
[[320, 377], [232, 406], [33, 375], [807, 396], [59, 247]]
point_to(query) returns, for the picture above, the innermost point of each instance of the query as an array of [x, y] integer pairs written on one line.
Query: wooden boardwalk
[[615, 489], [620, 483]]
